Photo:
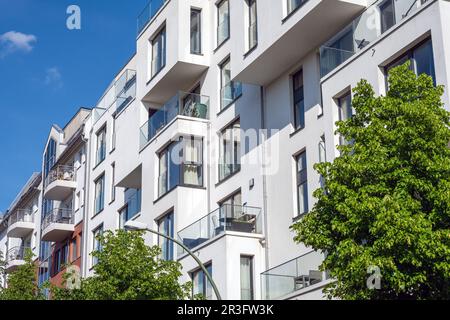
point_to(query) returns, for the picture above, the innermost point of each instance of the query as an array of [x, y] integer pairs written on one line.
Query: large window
[[345, 111], [166, 226], [246, 278], [299, 100], [230, 150], [223, 21], [50, 157], [101, 145], [302, 184], [230, 90], [99, 201], [421, 60], [231, 207], [387, 14], [196, 34], [252, 24], [201, 285], [181, 163], [97, 246], [158, 52], [132, 205]]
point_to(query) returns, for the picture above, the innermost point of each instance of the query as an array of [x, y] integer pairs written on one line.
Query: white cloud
[[13, 41], [53, 77]]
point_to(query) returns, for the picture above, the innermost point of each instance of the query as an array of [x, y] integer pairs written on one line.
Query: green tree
[[2, 269], [128, 269], [22, 283], [387, 197]]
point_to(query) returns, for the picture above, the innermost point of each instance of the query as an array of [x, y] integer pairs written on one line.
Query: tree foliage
[[128, 269], [386, 201], [22, 283]]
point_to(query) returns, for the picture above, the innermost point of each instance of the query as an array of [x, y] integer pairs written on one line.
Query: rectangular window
[[159, 52], [101, 145], [232, 206], [77, 201], [299, 100], [201, 285], [196, 38], [74, 250], [421, 60], [292, 5], [302, 184], [113, 182], [246, 278], [181, 163], [230, 150], [223, 22], [230, 90], [97, 246], [345, 111], [113, 134], [132, 205], [166, 226], [99, 194], [252, 24], [57, 260], [387, 14]]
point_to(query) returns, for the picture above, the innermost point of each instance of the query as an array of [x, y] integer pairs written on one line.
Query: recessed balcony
[[60, 183], [183, 104], [57, 225], [20, 224], [286, 279], [15, 258], [228, 218]]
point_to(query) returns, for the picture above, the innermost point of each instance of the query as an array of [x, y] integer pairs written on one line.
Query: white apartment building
[[210, 132]]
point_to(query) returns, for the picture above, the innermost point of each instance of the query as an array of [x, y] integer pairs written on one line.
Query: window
[[387, 14], [77, 200], [74, 250], [50, 157], [230, 151], [421, 60], [292, 5], [201, 285], [223, 22], [246, 278], [101, 145], [196, 39], [322, 157], [132, 205], [252, 24], [100, 194], [299, 100], [302, 184], [57, 262], [166, 226], [232, 206], [345, 111], [230, 90], [97, 246], [113, 182], [113, 134], [181, 163], [159, 52]]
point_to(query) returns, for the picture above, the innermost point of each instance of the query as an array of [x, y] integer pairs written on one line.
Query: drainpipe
[[87, 167]]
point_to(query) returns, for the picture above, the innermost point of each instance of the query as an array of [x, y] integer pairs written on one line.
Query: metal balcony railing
[[63, 216], [364, 30], [184, 104], [62, 173], [150, 10], [21, 215], [292, 276], [226, 218], [17, 253]]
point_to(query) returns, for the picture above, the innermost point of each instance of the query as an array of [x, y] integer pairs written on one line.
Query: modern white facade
[[211, 130]]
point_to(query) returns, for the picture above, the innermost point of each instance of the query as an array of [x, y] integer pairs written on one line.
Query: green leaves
[[128, 269], [387, 199]]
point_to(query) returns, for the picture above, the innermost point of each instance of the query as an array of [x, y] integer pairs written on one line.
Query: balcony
[[148, 13], [183, 104], [363, 31], [60, 183], [57, 225], [15, 257], [20, 224], [293, 276], [228, 218], [119, 94]]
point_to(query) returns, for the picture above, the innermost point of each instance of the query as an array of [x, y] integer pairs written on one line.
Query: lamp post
[[139, 226]]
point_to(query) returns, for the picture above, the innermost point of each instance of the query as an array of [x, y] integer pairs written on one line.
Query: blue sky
[[47, 72]]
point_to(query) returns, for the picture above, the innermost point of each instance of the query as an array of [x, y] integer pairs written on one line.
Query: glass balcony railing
[[226, 218], [118, 95], [61, 173], [292, 276], [60, 215], [184, 104], [21, 215], [364, 30], [148, 13]]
